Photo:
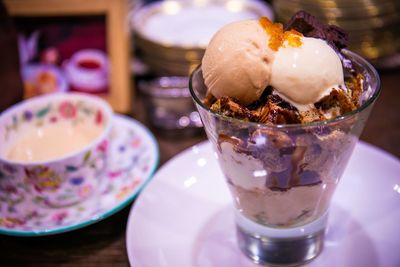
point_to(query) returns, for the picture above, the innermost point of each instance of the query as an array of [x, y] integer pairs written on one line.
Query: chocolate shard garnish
[[310, 26], [305, 23], [338, 36]]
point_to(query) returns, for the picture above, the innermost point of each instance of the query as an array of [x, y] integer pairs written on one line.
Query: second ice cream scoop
[[303, 75]]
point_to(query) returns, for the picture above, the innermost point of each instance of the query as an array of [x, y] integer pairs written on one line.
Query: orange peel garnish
[[278, 36]]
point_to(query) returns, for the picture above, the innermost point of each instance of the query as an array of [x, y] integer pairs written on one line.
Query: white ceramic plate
[[184, 216], [134, 157]]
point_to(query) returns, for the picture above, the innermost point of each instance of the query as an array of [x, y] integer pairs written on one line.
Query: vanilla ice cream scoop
[[237, 62], [303, 75]]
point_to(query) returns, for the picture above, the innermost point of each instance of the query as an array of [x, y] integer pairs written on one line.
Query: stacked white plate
[[373, 25], [171, 36]]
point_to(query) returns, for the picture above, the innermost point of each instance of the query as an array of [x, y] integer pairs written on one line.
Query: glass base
[[280, 247]]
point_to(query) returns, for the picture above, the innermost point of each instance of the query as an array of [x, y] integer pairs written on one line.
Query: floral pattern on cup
[[133, 158], [43, 178], [53, 182], [67, 110], [49, 112]]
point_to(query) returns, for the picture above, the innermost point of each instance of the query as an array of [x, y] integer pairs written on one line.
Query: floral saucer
[[133, 160]]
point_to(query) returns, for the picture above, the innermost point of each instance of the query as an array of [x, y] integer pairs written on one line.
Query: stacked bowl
[[171, 36], [373, 25]]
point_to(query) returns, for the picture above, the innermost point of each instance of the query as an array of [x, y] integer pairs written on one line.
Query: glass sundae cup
[[282, 177]]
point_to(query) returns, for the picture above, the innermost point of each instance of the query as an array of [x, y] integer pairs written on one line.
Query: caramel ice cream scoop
[[237, 62]]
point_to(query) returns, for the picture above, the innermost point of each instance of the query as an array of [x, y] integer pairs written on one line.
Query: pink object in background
[[88, 71]]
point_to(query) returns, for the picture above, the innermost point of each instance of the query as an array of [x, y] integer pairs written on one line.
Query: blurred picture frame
[[115, 46]]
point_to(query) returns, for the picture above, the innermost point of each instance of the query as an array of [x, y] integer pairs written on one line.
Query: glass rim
[[337, 119]]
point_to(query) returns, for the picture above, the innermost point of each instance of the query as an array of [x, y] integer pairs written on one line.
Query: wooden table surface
[[103, 243]]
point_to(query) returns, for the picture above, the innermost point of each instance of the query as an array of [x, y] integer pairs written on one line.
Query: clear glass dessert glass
[[282, 177]]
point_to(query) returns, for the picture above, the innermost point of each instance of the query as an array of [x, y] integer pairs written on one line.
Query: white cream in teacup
[[53, 149], [43, 143]]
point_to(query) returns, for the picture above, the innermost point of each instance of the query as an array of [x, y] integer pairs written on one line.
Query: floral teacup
[[53, 150]]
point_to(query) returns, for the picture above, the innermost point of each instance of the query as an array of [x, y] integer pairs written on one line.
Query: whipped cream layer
[[247, 179]]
